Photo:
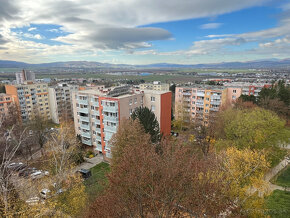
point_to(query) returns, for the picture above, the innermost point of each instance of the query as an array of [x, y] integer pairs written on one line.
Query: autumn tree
[[144, 183], [149, 122]]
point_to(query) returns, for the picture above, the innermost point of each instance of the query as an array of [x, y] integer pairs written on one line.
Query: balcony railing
[[110, 108], [87, 142], [98, 129], [84, 119], [83, 110], [99, 147], [200, 94], [186, 93], [84, 126], [85, 102], [110, 128], [111, 119], [86, 134], [99, 138], [215, 102], [95, 103], [214, 109]]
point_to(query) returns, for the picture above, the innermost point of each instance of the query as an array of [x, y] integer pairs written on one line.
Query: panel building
[[31, 99], [199, 103], [97, 113], [60, 101], [23, 76]]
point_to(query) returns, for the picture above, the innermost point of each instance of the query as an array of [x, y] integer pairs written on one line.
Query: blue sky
[[144, 32]]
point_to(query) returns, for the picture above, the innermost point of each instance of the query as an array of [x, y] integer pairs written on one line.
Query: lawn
[[283, 178], [97, 182], [278, 204]]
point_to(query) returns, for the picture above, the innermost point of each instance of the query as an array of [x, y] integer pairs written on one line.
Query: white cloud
[[32, 28], [210, 26], [31, 36], [219, 36], [54, 30]]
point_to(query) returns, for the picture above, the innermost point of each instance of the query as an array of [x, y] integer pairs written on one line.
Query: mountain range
[[257, 64]]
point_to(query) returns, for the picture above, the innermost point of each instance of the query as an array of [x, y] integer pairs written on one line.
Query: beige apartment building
[[156, 85], [97, 113], [30, 98], [200, 102]]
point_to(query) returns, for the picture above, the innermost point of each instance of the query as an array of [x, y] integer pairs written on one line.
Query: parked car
[[45, 193], [85, 173], [16, 166]]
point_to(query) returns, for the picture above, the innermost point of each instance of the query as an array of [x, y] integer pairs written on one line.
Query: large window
[[152, 98]]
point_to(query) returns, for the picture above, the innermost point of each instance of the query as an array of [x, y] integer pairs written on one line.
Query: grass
[[283, 178], [278, 204], [276, 155], [97, 182]]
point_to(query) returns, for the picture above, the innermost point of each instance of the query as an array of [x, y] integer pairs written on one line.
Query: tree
[[251, 128], [149, 121], [244, 171], [173, 183], [250, 98]]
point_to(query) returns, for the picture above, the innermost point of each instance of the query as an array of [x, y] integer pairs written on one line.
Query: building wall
[[129, 104], [53, 105], [165, 119], [5, 102], [152, 86]]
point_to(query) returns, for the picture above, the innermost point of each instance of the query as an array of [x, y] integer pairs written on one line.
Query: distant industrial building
[[97, 113]]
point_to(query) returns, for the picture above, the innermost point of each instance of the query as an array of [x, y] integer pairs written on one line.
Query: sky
[[144, 31]]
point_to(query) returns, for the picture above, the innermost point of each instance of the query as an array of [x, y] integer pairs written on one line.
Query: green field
[[97, 182], [278, 204]]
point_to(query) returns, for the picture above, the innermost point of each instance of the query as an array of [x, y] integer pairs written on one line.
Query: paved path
[[89, 163]]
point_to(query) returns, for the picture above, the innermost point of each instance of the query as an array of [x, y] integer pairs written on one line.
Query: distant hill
[[258, 64]]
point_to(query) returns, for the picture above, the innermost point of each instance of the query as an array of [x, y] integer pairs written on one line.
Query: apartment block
[[30, 98], [97, 113], [199, 103], [248, 88], [23, 76], [156, 85], [5, 102], [60, 101]]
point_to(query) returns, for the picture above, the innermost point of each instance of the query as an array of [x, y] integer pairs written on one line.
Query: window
[[206, 110], [135, 100], [207, 99], [193, 102], [130, 111], [234, 97], [152, 107], [130, 102], [152, 99], [206, 105], [234, 91], [193, 97]]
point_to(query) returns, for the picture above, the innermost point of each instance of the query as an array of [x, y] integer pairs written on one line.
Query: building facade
[[60, 101], [97, 113], [23, 76], [31, 99], [5, 102], [156, 85]]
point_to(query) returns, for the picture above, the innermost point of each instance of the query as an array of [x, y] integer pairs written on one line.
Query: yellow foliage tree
[[244, 170]]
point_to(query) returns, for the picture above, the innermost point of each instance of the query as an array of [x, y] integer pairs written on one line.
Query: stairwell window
[[152, 99]]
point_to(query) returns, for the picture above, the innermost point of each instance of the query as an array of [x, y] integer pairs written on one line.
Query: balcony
[[84, 126], [87, 142], [200, 94], [215, 102], [186, 93], [84, 119], [108, 136], [95, 103], [97, 121], [99, 147], [83, 110], [86, 134], [95, 112], [85, 102], [216, 97], [98, 129], [110, 128], [112, 109], [98, 138], [111, 119]]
